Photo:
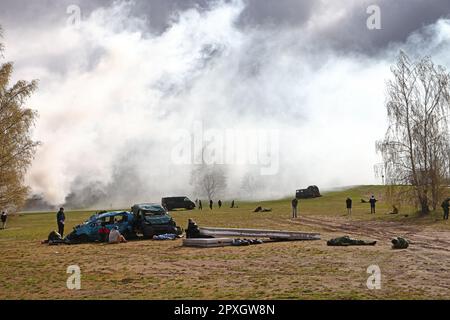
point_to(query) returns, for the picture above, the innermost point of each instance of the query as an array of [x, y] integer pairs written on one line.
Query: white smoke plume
[[113, 93]]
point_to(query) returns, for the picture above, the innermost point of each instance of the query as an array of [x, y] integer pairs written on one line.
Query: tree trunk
[[424, 208]]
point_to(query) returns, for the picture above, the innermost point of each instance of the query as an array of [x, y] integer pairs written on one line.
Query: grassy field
[[283, 270]]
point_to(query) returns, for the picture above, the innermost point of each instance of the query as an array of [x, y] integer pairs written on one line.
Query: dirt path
[[426, 243]]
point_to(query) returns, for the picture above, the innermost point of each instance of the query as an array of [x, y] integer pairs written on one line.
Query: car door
[[94, 226], [123, 223]]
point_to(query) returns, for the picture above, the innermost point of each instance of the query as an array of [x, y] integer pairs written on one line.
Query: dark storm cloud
[[399, 17], [25, 13], [277, 13]]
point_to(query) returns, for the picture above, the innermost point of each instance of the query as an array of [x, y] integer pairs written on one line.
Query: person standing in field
[[220, 203], [348, 202], [60, 221], [372, 204], [294, 203], [4, 218], [200, 207], [210, 204], [446, 207], [232, 204]]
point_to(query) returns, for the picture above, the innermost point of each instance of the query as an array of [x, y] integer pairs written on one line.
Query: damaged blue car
[[89, 230], [144, 220]]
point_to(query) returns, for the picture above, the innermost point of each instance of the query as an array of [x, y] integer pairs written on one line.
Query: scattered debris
[[166, 236], [245, 242], [400, 243], [347, 241], [219, 242], [261, 209]]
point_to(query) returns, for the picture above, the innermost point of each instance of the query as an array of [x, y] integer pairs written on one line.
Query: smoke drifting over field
[[115, 91]]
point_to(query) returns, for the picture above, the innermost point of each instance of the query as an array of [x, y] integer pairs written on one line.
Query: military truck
[[308, 193], [152, 219], [171, 203]]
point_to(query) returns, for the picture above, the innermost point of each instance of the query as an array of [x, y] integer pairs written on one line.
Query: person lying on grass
[[115, 236]]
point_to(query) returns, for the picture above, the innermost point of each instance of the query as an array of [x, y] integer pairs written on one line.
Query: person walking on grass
[[372, 204], [60, 221], [200, 207], [232, 204], [4, 218], [446, 207], [294, 203], [220, 203], [210, 204], [348, 202]]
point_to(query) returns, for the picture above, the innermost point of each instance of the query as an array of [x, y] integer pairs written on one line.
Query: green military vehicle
[[152, 219]]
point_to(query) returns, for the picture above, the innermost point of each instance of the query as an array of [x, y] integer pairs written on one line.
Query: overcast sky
[[115, 89]]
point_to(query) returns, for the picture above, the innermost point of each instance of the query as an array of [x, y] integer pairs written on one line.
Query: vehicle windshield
[[153, 212]]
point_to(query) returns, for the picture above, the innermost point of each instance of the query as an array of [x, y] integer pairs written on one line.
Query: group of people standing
[[348, 203], [199, 205], [372, 201]]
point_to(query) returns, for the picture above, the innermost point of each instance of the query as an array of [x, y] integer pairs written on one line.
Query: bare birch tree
[[416, 147]]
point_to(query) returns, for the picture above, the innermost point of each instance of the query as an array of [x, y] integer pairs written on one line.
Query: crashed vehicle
[[152, 219], [310, 192], [147, 219], [88, 231]]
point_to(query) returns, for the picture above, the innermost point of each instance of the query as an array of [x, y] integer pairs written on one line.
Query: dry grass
[[284, 270]]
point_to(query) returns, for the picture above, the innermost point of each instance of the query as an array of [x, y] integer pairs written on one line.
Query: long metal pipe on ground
[[257, 233]]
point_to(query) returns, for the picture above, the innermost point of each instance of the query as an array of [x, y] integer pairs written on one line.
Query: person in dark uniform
[[232, 204], [210, 204], [446, 207], [372, 204], [200, 207], [60, 220], [4, 218], [348, 202], [220, 203], [294, 203]]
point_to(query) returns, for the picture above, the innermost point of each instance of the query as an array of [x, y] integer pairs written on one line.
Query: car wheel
[[148, 233], [83, 238]]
